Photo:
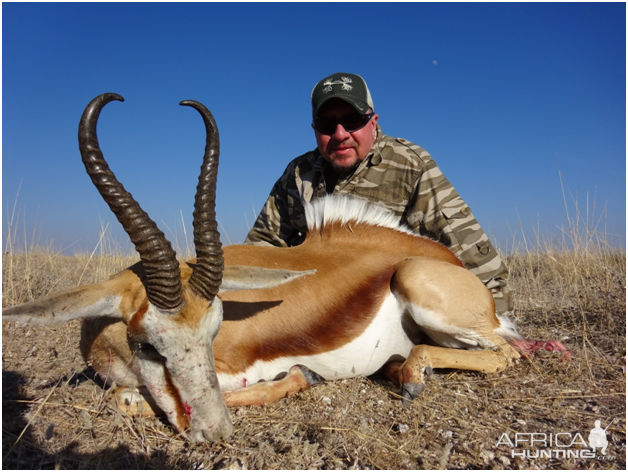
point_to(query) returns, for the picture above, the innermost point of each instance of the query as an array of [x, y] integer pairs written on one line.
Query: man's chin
[[343, 167], [343, 164]]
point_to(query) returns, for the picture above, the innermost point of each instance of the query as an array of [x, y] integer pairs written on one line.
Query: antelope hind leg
[[299, 378], [454, 308], [423, 359]]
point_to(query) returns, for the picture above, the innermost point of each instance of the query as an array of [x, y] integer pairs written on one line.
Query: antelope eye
[[147, 351], [145, 347], [139, 342]]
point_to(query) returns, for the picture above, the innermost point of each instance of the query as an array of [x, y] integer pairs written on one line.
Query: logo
[[559, 445], [345, 81]]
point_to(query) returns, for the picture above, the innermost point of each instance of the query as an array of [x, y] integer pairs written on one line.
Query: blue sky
[[504, 97]]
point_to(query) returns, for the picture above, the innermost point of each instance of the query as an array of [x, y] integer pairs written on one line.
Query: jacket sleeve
[[270, 228], [437, 211]]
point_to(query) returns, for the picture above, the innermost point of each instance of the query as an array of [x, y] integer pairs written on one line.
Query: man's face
[[342, 149]]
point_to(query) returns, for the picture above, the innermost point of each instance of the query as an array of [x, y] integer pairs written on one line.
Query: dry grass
[[55, 415]]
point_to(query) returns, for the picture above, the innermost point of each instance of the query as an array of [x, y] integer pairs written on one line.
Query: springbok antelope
[[361, 293]]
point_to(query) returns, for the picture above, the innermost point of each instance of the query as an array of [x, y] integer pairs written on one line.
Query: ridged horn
[[163, 276], [207, 275]]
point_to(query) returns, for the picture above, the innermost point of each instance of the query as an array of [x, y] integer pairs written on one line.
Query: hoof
[[311, 376], [411, 391], [136, 402]]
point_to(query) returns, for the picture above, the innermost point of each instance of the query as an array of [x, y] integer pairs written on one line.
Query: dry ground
[[56, 416]]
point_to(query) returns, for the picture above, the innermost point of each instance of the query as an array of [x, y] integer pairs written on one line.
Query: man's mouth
[[343, 150]]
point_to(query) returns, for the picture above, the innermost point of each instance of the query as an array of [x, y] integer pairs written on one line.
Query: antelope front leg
[[137, 401], [299, 378], [105, 347], [423, 359]]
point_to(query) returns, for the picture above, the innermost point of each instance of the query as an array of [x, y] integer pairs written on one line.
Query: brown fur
[[135, 322], [428, 283], [182, 417], [353, 276], [352, 279]]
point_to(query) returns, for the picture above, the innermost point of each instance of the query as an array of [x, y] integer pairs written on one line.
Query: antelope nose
[[219, 431]]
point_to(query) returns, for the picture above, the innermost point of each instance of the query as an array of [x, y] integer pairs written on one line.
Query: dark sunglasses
[[349, 123]]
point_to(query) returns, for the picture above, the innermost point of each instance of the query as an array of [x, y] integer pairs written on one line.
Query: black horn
[[163, 276], [207, 275]]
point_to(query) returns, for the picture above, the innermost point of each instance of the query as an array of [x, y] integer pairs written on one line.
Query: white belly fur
[[366, 354]]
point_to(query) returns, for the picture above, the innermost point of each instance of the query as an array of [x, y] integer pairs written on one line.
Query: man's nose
[[340, 133]]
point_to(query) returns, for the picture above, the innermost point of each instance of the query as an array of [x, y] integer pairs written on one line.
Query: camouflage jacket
[[404, 178]]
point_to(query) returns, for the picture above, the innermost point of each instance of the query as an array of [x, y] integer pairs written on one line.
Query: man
[[354, 157]]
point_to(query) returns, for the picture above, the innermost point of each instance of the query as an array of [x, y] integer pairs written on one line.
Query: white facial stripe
[[153, 374], [185, 387]]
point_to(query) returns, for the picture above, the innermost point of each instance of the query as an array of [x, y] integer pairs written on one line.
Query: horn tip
[[112, 96]]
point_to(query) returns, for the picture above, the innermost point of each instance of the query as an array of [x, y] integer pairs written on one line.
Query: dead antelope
[[360, 294]]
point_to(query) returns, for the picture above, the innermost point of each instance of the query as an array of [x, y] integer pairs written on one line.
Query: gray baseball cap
[[349, 87]]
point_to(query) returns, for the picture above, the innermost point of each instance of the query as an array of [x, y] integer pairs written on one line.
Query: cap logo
[[345, 81]]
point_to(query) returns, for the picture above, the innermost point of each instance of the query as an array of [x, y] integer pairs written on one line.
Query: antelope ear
[[80, 302], [240, 277]]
